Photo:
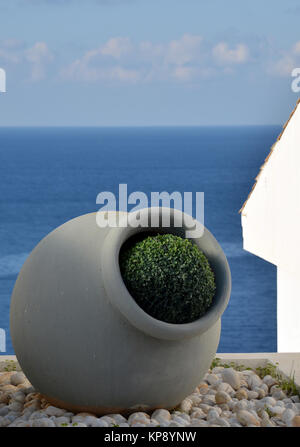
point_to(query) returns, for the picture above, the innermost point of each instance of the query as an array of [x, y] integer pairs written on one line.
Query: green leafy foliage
[[287, 384], [9, 365], [218, 362], [169, 277]]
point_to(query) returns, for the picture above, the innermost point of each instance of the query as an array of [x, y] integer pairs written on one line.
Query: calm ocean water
[[48, 176]]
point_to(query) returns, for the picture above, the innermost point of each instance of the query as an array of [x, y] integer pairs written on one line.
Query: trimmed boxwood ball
[[169, 277]]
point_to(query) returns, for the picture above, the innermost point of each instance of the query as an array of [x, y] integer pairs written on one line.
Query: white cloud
[[7, 56], [286, 63], [190, 58], [10, 51], [34, 58], [283, 67], [39, 56], [184, 50], [185, 59], [154, 61], [183, 73], [226, 56], [93, 65], [176, 52], [116, 47], [79, 70], [296, 48]]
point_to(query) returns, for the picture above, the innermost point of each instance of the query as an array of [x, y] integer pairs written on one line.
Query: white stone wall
[[271, 228], [288, 312]]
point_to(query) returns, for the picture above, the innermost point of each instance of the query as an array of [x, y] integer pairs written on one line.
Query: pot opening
[[120, 238], [167, 275]]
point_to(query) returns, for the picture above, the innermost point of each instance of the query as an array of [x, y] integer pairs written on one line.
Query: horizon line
[[72, 126]]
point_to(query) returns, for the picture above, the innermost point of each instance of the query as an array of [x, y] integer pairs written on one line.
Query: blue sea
[[51, 175]]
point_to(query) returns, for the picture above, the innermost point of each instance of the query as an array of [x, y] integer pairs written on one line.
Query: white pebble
[[198, 414], [241, 394], [212, 391], [241, 405], [60, 421], [226, 387], [222, 397], [198, 423], [15, 406], [205, 407], [23, 424], [209, 400], [54, 411], [232, 377], [138, 417], [269, 381], [118, 418], [19, 396], [161, 415], [196, 399], [220, 421], [12, 416], [17, 378], [90, 421], [253, 394], [264, 387], [288, 415], [269, 401], [186, 405], [164, 424], [185, 416], [246, 418], [212, 379], [226, 414], [181, 421], [279, 395], [44, 422], [36, 415], [110, 421], [277, 410], [265, 422], [4, 411], [254, 381], [4, 422], [212, 414], [260, 391]]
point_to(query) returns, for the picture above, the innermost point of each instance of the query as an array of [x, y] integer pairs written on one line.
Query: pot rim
[[122, 300]]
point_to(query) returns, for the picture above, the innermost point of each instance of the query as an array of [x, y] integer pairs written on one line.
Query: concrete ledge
[[287, 363]]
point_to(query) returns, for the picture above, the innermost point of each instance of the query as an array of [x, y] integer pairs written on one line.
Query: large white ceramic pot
[[83, 341]]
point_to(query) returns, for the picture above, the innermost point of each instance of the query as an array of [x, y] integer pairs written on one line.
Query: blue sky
[[148, 62]]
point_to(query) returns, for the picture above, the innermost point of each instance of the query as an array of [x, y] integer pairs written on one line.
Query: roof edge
[[269, 155]]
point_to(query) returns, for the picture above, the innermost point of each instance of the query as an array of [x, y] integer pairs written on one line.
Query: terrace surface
[[287, 363]]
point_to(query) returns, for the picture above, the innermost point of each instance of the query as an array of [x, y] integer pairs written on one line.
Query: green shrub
[[169, 277]]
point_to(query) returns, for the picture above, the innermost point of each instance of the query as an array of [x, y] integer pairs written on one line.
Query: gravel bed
[[226, 397]]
